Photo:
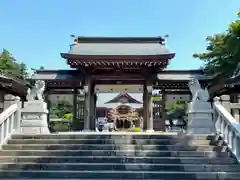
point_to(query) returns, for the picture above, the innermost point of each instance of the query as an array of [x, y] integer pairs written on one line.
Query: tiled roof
[[124, 98], [56, 75], [182, 75], [119, 49]]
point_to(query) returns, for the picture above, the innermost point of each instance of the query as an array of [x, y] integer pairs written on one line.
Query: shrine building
[[118, 65]]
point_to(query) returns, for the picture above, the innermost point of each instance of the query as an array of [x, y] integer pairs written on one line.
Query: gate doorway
[[123, 108]]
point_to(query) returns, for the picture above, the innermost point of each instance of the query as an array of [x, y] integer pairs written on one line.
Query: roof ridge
[[85, 39]]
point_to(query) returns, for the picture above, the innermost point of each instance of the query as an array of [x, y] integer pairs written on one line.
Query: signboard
[[113, 88]]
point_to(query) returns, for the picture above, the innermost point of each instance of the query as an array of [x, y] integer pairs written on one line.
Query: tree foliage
[[59, 109], [175, 109], [222, 56], [9, 65]]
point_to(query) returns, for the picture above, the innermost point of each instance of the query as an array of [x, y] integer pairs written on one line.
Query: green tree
[[23, 71], [176, 109], [9, 65], [222, 56], [59, 109]]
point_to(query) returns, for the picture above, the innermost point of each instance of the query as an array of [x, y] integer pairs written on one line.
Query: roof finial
[[75, 39], [165, 37]]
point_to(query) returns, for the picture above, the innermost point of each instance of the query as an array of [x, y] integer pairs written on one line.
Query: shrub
[[68, 116], [135, 130], [60, 126]]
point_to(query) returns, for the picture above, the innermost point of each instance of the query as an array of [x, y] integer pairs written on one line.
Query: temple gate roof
[[118, 52], [119, 46]]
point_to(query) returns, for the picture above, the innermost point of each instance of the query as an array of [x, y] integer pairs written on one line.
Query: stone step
[[110, 136], [106, 147], [117, 159], [117, 174], [121, 167], [131, 152], [110, 141]]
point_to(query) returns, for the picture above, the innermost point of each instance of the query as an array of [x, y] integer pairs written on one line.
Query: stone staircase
[[116, 156]]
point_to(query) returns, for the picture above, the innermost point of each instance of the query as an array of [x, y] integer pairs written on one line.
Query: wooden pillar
[[48, 104], [150, 109], [163, 110], [92, 108], [46, 98], [95, 105], [75, 123], [86, 109], [145, 106], [88, 105]]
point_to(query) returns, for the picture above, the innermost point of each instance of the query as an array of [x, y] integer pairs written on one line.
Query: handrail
[[226, 126], [9, 121]]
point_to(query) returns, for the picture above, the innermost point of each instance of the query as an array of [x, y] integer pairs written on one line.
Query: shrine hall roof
[[13, 85], [182, 75], [56, 75], [123, 98], [119, 46]]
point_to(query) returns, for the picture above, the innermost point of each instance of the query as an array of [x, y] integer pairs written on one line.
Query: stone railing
[[10, 121], [232, 107], [235, 111], [227, 127]]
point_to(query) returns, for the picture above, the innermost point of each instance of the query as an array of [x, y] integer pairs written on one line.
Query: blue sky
[[35, 32]]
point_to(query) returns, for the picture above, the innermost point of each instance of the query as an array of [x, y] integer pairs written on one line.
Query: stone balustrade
[[10, 120], [232, 107], [227, 127]]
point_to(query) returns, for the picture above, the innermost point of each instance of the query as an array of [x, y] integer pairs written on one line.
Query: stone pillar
[[34, 118], [8, 100], [225, 100]]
